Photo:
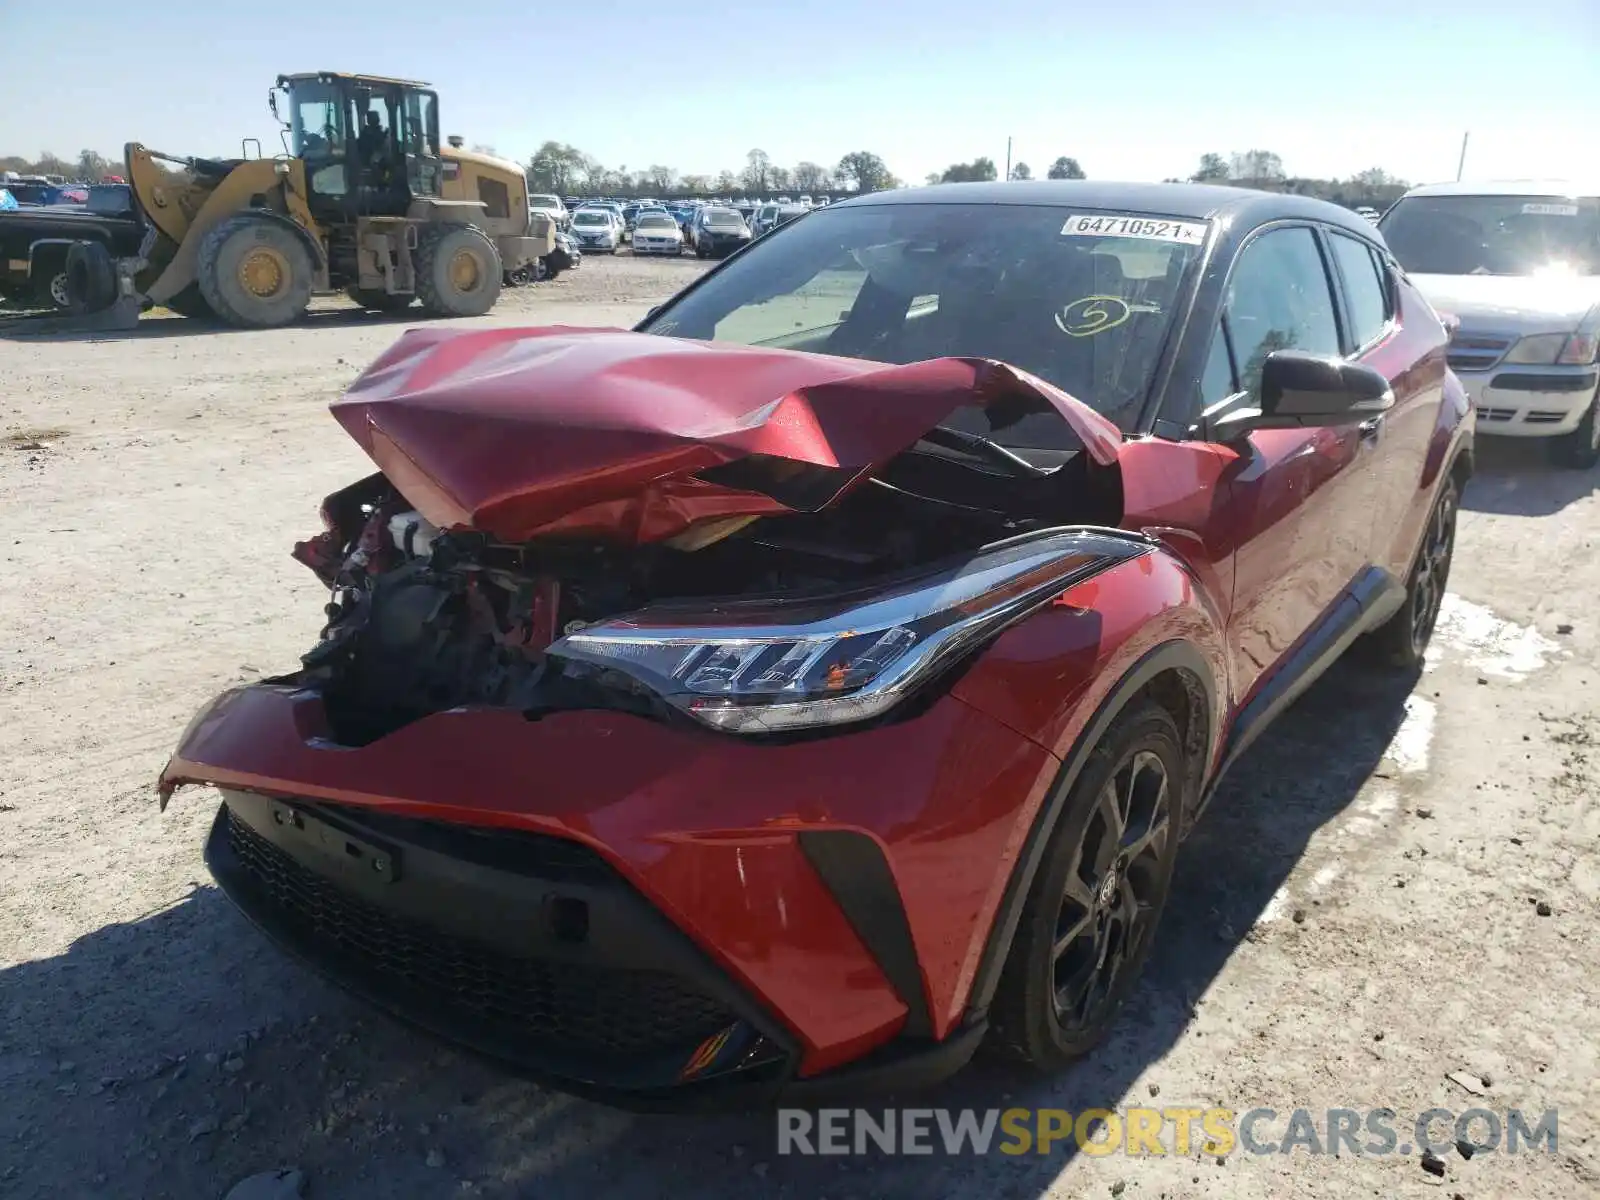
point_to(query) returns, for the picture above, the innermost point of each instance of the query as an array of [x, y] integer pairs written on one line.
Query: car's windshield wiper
[[984, 448]]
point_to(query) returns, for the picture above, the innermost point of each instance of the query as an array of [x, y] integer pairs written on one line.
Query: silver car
[[1517, 264]]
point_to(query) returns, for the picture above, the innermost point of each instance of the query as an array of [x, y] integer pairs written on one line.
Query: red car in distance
[[784, 697]]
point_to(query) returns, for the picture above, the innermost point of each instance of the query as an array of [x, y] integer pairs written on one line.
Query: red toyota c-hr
[[791, 693]]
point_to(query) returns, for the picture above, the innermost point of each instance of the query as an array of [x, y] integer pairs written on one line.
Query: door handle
[[1370, 430]]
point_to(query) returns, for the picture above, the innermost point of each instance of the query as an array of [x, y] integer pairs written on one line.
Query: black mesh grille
[[582, 1009]]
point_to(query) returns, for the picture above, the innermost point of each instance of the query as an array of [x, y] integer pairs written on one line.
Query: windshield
[[1088, 311], [724, 218], [1495, 235], [591, 218], [657, 221], [544, 202]]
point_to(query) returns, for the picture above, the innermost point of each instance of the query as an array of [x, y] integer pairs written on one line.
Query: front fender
[[1047, 676]]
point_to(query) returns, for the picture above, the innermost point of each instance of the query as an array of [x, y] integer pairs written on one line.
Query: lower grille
[[1496, 414], [582, 1009]]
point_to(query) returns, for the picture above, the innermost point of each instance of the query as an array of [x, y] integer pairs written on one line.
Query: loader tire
[[255, 273], [458, 271], [190, 303], [379, 301]]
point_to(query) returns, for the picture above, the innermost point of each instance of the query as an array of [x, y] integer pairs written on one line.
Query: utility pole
[[1008, 159], [1462, 164]]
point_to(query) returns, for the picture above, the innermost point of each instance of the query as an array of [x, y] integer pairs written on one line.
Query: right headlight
[[1541, 349], [770, 664]]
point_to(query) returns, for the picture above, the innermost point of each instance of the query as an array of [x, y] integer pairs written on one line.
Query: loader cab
[[369, 144]]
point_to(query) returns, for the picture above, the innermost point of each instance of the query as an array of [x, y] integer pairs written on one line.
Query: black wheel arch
[[1176, 676]]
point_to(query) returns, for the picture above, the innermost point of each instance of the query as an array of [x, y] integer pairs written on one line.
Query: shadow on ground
[[281, 1069], [49, 327], [1516, 477]]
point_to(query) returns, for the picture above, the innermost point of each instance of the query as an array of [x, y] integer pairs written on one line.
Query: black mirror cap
[[1316, 389]]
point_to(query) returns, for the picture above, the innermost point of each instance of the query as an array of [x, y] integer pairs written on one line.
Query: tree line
[[565, 170]]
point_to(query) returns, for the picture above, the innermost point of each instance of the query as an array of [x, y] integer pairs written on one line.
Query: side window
[[1279, 298], [1217, 384], [1365, 288]]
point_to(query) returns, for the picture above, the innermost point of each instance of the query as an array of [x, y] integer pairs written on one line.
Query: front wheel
[[1402, 641], [1091, 914], [1580, 449], [254, 272]]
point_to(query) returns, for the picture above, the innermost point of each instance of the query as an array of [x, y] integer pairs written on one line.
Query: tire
[[379, 301], [458, 271], [1580, 449], [190, 303], [91, 278], [254, 272], [1135, 776], [1402, 640]]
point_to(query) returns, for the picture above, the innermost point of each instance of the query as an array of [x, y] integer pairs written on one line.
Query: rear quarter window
[[1366, 287]]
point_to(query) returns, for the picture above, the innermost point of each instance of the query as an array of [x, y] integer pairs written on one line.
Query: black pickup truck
[[34, 241]]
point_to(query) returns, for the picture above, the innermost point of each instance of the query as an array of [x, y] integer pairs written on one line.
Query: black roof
[[1192, 201]]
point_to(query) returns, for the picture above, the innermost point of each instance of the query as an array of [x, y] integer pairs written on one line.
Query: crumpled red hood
[[524, 432]]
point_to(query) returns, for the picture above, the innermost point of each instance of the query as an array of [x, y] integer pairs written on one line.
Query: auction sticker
[[1550, 210], [1153, 229]]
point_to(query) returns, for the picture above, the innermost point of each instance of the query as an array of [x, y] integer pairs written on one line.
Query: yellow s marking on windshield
[[1092, 315]]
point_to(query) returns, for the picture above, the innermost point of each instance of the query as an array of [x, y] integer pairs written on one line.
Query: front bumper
[[705, 861], [1530, 401], [524, 949], [657, 247], [722, 246]]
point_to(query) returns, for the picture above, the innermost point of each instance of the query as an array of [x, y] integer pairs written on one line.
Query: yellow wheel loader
[[365, 200]]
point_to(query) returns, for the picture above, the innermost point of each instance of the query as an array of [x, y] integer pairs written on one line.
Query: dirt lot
[[1393, 887]]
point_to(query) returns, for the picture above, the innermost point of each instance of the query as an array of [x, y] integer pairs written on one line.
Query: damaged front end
[[556, 741], [666, 560]]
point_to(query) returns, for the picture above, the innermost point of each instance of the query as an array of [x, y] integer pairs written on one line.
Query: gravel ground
[[1393, 887]]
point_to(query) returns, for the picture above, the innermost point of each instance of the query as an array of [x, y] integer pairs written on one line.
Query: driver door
[[1300, 502]]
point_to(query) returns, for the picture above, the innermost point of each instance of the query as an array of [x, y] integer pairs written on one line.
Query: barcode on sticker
[[1550, 210], [1155, 229]]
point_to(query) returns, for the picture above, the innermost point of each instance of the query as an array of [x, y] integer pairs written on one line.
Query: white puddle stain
[[1408, 750], [1489, 643]]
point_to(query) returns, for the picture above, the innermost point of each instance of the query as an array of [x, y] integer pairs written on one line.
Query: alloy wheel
[[1433, 568], [1113, 891]]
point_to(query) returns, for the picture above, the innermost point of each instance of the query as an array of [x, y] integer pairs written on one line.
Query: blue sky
[[1133, 90]]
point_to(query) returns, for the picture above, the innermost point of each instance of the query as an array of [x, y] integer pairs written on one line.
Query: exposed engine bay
[[422, 619]]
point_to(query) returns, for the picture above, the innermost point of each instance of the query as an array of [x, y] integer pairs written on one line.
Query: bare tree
[[727, 181], [92, 167], [809, 177], [757, 170], [1258, 168], [663, 179], [779, 178]]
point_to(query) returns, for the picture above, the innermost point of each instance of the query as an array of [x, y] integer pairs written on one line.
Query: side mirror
[[651, 315], [1451, 323], [1307, 391]]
